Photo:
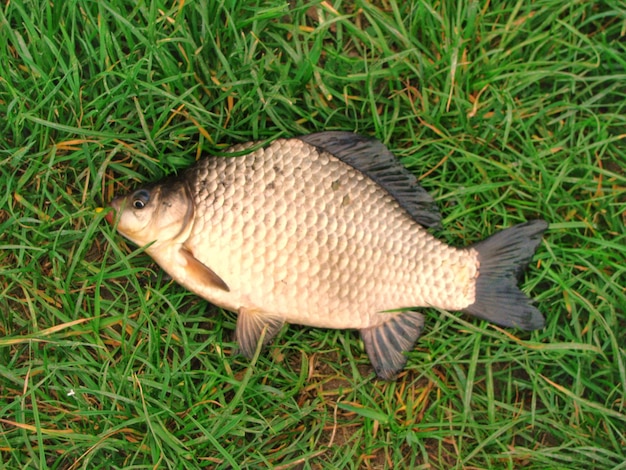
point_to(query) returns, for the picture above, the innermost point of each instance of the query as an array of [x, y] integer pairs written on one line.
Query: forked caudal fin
[[503, 258]]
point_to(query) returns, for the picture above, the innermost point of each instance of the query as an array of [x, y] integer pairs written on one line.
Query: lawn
[[506, 111]]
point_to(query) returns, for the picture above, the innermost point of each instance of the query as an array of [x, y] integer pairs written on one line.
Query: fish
[[327, 230]]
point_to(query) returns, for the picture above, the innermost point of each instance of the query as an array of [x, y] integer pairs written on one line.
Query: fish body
[[325, 230]]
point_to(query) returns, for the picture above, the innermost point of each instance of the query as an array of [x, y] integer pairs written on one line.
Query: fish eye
[[140, 199]]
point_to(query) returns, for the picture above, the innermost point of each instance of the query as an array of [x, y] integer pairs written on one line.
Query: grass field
[[508, 110]]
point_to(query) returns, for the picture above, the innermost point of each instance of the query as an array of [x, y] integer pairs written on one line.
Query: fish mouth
[[114, 207], [110, 216]]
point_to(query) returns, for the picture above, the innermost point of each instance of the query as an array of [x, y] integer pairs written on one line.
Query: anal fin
[[254, 326], [386, 344]]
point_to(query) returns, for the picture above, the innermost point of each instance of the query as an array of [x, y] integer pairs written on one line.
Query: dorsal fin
[[373, 159]]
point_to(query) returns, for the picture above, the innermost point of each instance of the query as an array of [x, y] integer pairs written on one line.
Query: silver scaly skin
[[317, 231]]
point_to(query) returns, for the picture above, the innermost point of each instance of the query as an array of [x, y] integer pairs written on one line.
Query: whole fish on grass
[[326, 230]]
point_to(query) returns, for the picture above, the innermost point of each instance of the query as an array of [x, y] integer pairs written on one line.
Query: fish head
[[157, 214]]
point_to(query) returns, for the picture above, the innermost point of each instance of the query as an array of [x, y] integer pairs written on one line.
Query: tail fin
[[503, 258]]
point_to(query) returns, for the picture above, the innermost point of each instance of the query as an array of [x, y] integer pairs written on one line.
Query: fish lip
[[110, 216], [114, 207]]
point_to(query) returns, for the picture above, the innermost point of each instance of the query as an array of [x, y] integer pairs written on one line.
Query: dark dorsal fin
[[373, 159]]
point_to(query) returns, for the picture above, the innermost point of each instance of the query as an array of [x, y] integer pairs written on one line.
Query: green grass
[[512, 111]]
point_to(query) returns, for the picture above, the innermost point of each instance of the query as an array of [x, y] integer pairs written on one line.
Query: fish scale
[[308, 263], [325, 230]]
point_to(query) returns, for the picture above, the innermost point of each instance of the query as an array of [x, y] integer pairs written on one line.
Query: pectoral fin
[[200, 271], [386, 344], [254, 326]]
